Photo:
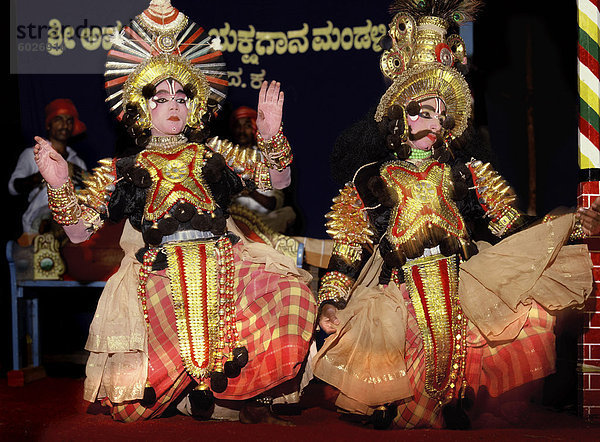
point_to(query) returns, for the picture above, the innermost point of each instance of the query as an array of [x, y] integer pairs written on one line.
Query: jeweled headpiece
[[419, 57], [158, 44]]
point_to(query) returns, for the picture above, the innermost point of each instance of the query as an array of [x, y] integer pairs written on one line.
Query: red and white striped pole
[[588, 70]]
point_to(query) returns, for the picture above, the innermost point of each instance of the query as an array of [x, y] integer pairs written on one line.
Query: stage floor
[[52, 409]]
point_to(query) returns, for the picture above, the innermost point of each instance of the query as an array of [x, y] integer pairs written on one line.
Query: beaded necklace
[[418, 154]]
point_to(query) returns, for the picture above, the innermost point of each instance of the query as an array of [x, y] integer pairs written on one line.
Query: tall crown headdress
[[419, 57], [162, 43]]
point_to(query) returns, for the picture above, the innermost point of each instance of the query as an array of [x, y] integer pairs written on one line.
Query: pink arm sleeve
[[77, 233], [280, 180]]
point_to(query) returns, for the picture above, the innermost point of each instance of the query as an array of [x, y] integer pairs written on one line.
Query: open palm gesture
[[52, 165], [270, 109]]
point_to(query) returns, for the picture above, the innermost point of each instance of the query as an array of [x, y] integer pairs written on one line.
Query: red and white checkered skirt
[[275, 314], [499, 368]]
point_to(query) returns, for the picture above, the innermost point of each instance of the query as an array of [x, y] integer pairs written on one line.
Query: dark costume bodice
[[164, 191]]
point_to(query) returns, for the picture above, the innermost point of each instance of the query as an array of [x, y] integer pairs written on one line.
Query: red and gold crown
[[162, 43]]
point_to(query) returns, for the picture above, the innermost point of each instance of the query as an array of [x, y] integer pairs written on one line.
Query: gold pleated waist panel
[[201, 274], [432, 283]]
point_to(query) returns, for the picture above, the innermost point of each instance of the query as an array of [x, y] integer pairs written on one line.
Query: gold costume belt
[[432, 283], [201, 274]]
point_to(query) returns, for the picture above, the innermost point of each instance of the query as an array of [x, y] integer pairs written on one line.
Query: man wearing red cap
[[62, 123]]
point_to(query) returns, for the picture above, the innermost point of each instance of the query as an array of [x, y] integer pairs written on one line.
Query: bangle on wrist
[[62, 201], [335, 289], [276, 150]]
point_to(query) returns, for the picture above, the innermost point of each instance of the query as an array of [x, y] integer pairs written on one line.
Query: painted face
[[427, 124], [168, 108]]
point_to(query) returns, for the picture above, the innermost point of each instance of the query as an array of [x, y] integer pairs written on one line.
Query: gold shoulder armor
[[242, 161], [246, 162], [348, 224], [99, 186], [495, 197]]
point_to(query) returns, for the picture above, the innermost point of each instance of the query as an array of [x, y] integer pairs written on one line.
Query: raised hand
[[52, 165], [590, 218], [270, 109]]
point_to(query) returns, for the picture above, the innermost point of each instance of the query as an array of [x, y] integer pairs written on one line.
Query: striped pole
[[588, 72], [589, 84]]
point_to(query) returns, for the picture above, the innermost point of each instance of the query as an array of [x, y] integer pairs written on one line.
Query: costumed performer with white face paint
[[417, 312], [196, 314]]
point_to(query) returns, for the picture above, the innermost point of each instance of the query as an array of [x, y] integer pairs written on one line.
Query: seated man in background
[[62, 124]]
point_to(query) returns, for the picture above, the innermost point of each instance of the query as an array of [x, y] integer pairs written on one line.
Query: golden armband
[[505, 221], [244, 161], [495, 197], [351, 253], [276, 150], [348, 225], [62, 201]]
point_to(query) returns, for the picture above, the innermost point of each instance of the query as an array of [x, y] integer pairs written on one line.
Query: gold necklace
[[166, 142]]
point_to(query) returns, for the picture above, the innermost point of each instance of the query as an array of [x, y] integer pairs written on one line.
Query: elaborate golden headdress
[[163, 43], [419, 57]]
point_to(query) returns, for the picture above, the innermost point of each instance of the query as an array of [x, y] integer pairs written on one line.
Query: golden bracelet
[[62, 201], [335, 288], [262, 177], [276, 150], [576, 234], [91, 219]]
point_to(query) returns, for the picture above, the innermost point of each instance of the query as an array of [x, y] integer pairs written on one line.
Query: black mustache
[[422, 134]]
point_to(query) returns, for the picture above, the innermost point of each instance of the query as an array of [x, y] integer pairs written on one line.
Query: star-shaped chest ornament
[[176, 177], [424, 199]]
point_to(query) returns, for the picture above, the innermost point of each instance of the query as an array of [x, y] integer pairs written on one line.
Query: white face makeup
[[168, 108], [427, 124]]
